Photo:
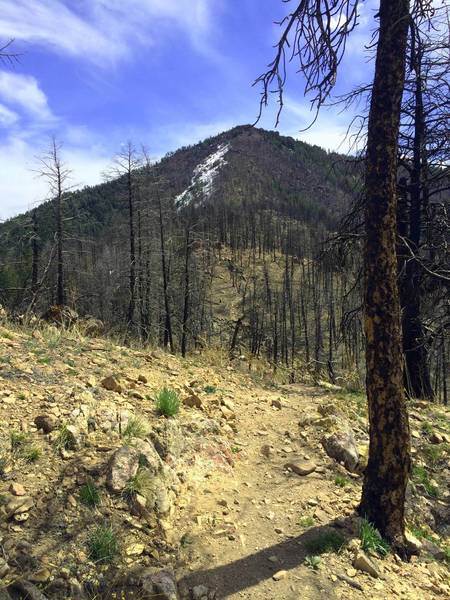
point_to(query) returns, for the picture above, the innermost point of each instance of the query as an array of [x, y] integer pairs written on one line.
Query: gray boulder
[[341, 446], [123, 465], [159, 585], [168, 439]]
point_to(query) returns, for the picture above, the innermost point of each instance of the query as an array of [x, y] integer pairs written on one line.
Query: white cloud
[[103, 31], [176, 135], [24, 91], [7, 117], [51, 23], [329, 131], [20, 187]]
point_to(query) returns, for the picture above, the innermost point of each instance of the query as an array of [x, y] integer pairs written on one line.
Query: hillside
[[220, 185], [221, 236], [235, 496], [261, 167]]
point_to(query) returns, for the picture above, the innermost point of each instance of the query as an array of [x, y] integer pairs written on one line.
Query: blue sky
[[165, 73]]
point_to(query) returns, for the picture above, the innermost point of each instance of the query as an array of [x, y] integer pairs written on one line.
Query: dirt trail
[[243, 531], [258, 533], [256, 523]]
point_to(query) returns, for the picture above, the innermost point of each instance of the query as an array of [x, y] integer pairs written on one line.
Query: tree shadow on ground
[[258, 567]]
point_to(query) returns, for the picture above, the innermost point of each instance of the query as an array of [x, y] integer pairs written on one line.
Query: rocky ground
[[248, 492]]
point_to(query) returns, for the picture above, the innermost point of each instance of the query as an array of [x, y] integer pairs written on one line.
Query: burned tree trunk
[[417, 374], [186, 299], [34, 254], [387, 472], [168, 337]]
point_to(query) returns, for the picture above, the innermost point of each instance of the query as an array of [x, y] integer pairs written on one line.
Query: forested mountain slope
[[216, 208], [258, 169]]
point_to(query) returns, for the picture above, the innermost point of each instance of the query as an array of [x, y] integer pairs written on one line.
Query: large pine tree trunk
[[388, 467]]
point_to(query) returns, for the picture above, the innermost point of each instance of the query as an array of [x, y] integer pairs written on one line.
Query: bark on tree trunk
[[386, 476]]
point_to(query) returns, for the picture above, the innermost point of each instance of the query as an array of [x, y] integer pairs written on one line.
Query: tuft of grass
[[21, 447], [210, 389], [136, 428], [341, 480], [167, 402], [64, 439], [31, 454], [45, 360], [330, 541], [18, 440], [421, 476], [52, 337], [442, 420], [306, 522], [371, 539], [435, 453], [102, 543], [89, 494], [313, 562], [141, 483], [422, 532], [427, 428]]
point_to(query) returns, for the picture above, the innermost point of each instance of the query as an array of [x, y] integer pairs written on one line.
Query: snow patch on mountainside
[[202, 182]]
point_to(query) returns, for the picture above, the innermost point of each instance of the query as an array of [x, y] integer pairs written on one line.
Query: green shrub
[[102, 544], [89, 494], [167, 402], [371, 539], [210, 389]]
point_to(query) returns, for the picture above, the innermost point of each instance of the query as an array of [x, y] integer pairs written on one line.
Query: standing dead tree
[[57, 174], [126, 164], [314, 34]]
